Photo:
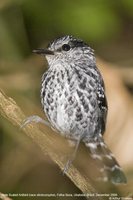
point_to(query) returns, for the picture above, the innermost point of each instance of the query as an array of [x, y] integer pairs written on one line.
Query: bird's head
[[67, 49]]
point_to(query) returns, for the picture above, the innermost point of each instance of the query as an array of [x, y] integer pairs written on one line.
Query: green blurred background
[[28, 24]]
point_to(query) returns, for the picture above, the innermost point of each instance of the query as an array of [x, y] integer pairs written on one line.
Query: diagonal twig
[[46, 141], [4, 197]]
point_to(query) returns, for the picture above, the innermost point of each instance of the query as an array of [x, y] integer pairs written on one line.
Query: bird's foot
[[35, 119], [68, 164]]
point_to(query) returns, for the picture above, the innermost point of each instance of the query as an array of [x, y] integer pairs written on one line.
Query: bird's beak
[[43, 51]]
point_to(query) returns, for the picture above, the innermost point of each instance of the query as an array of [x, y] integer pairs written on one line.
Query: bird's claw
[[69, 162], [35, 119]]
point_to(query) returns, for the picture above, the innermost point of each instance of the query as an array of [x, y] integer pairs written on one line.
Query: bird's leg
[[69, 162], [35, 119]]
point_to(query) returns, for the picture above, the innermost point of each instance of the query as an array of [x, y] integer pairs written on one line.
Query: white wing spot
[[115, 167], [102, 144], [109, 157], [92, 145], [95, 156]]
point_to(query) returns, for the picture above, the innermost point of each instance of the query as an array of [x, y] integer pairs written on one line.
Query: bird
[[74, 101]]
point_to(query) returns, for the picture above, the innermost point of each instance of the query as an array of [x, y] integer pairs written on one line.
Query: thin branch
[[4, 197], [48, 142]]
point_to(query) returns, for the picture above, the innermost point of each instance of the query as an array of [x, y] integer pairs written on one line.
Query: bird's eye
[[66, 47]]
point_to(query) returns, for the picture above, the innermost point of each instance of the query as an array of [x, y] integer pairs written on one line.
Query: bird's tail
[[108, 167]]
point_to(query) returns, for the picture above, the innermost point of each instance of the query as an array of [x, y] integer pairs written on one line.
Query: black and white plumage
[[73, 98], [72, 91]]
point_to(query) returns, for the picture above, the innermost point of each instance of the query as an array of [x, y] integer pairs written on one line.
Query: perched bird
[[74, 101]]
